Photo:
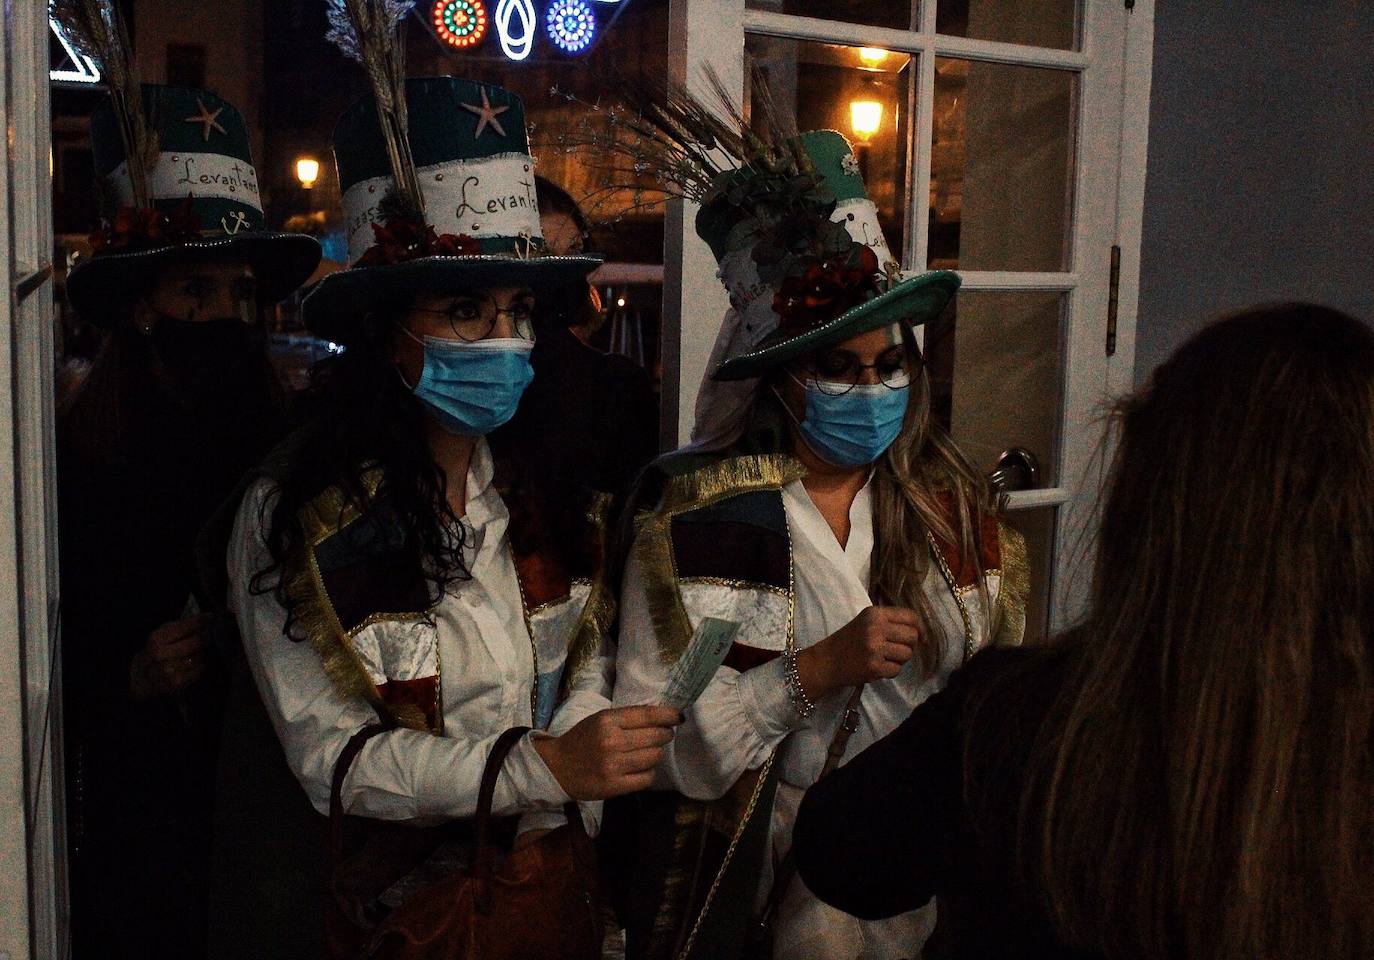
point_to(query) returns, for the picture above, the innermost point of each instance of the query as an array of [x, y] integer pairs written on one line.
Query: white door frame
[[33, 894], [1112, 126]]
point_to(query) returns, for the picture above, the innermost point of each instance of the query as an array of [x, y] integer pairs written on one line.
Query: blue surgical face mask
[[856, 427], [472, 388]]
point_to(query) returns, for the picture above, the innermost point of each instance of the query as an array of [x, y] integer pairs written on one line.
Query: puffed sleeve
[[736, 724], [402, 774]]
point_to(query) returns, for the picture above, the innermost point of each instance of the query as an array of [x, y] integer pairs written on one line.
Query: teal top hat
[[204, 203], [480, 223], [816, 270]]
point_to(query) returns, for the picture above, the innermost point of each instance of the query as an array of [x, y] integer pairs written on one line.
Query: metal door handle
[[1017, 469]]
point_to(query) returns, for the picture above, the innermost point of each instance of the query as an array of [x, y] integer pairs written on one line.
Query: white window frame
[[1113, 66], [33, 900]]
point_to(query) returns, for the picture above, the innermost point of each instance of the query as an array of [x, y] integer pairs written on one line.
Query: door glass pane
[[1037, 526], [1038, 23], [1001, 166], [900, 14], [995, 365], [822, 83]]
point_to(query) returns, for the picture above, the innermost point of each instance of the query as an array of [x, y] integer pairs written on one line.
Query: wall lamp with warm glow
[[307, 171], [865, 118], [872, 56]]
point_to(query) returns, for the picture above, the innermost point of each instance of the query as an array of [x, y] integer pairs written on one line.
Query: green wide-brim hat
[[759, 343], [472, 160], [204, 166], [917, 301]]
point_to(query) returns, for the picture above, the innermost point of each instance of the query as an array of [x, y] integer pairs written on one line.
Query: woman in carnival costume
[[823, 512], [389, 563]]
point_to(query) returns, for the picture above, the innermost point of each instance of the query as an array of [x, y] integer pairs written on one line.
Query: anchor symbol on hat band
[[240, 220]]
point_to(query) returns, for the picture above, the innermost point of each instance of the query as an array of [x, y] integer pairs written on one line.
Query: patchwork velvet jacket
[[372, 643], [362, 603], [717, 544]]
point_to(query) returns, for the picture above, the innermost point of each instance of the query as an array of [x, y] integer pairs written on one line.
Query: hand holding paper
[[694, 669]]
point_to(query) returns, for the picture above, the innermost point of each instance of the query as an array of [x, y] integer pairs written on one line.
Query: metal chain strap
[[953, 585]]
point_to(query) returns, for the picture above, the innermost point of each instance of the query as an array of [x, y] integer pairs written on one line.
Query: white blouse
[[487, 675], [741, 718]]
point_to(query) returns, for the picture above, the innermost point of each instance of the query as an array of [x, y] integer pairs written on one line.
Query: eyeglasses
[[838, 372], [472, 317]]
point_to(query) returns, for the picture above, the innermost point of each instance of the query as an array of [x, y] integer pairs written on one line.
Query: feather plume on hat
[[751, 176]]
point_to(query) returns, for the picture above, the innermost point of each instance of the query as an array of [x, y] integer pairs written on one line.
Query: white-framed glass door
[[1000, 138], [32, 844]]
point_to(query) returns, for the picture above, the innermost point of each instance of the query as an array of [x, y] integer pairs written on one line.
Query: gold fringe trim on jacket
[[1015, 587], [737, 475], [593, 625], [692, 491], [330, 513], [598, 613], [323, 517]]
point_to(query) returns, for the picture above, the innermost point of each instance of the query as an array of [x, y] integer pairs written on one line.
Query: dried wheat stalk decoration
[[95, 29], [372, 32]]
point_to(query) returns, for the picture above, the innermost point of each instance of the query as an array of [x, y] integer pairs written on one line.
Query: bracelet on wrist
[[803, 704]]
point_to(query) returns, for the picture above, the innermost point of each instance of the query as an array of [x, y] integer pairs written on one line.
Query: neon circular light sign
[[571, 25], [460, 23]]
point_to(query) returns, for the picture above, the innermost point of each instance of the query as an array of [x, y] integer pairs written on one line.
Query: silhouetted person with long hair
[[179, 402], [1188, 773]]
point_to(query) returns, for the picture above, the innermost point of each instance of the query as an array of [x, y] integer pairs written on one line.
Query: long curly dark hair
[[359, 415]]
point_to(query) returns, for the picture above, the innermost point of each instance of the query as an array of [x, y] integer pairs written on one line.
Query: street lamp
[[307, 171]]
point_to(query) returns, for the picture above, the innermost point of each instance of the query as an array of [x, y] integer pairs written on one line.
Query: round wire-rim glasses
[[837, 380], [472, 317]]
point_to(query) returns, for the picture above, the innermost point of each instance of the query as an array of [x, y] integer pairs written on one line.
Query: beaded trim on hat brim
[[340, 299], [278, 281], [868, 315]]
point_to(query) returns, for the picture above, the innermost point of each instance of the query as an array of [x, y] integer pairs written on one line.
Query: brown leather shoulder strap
[[849, 722], [485, 795], [341, 767], [484, 857], [499, 751]]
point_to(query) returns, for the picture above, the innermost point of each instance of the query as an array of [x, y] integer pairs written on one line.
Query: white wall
[[1260, 183]]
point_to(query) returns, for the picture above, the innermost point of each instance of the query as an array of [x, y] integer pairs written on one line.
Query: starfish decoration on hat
[[486, 116], [208, 119]]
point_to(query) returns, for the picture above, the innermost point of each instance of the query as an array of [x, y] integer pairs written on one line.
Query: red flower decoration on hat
[[133, 229], [825, 290], [401, 240]]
